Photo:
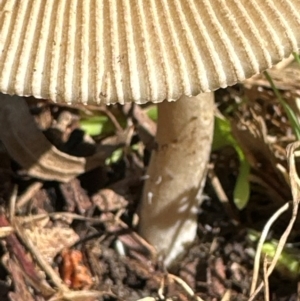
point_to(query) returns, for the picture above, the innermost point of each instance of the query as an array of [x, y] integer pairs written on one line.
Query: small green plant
[[96, 125], [223, 137], [288, 263]]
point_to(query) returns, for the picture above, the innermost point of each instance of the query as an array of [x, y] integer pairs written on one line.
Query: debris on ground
[[68, 222]]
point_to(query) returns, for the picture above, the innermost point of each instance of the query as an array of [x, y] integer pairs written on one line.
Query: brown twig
[[216, 184], [266, 279], [12, 203], [185, 286], [57, 281], [80, 295], [28, 194]]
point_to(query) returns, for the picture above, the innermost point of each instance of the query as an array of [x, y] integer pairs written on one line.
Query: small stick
[[215, 182], [57, 281], [28, 194], [12, 203], [185, 286], [266, 280], [80, 295]]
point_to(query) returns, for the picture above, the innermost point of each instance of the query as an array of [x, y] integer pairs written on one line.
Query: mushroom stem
[[176, 174]]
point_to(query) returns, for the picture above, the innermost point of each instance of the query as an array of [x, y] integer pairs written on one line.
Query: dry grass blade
[[80, 295], [227, 296], [5, 231], [185, 286], [12, 203], [28, 194], [266, 279], [295, 188], [262, 239], [64, 216]]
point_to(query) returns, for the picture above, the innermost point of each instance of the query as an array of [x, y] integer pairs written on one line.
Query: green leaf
[[222, 134], [115, 156], [223, 137], [288, 263], [152, 113], [241, 191], [96, 125]]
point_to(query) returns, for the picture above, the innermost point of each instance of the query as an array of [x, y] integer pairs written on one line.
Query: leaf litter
[[68, 232]]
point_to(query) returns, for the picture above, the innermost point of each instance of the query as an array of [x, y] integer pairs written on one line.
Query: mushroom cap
[[91, 51]]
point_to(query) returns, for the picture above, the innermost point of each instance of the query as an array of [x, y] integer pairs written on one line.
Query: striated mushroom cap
[[91, 51]]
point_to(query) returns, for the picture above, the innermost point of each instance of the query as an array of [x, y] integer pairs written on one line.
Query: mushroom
[[122, 51]]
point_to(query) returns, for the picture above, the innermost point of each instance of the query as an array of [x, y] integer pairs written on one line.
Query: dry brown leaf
[[108, 200], [51, 241], [30, 148], [75, 197]]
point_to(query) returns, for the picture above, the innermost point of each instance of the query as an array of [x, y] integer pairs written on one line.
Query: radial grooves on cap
[[277, 17], [249, 57], [165, 49], [265, 18], [5, 21], [248, 25], [39, 59], [91, 51], [9, 57], [290, 11], [215, 73], [96, 52], [186, 22], [226, 40], [56, 53], [177, 45], [70, 68], [24, 64], [151, 85], [115, 49], [83, 20], [132, 50]]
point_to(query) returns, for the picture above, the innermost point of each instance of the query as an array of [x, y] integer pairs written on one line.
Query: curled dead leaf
[[30, 148]]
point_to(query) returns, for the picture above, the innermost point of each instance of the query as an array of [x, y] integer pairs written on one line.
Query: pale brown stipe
[[118, 51]]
